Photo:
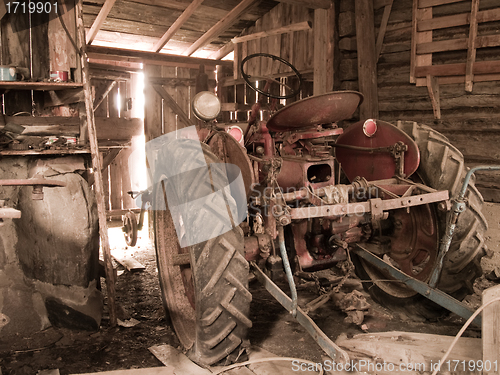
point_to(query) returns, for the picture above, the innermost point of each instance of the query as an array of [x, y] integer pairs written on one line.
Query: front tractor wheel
[[414, 235], [204, 286]]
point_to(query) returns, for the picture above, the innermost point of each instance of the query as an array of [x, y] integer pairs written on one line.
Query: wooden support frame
[[298, 26], [471, 51], [172, 104], [424, 73], [153, 58], [219, 27], [383, 28], [367, 60], [177, 25], [97, 165], [323, 50], [101, 17]]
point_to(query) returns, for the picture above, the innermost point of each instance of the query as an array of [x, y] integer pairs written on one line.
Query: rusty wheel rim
[[176, 281], [413, 250]]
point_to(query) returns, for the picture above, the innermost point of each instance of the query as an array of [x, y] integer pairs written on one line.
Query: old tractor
[[314, 194]]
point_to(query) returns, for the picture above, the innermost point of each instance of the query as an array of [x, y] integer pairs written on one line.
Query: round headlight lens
[[206, 105]]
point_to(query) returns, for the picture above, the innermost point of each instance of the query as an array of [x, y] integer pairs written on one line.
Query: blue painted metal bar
[[330, 348], [435, 295], [458, 206], [288, 271]]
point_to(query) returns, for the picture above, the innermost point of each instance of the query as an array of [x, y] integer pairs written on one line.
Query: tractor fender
[[374, 165]]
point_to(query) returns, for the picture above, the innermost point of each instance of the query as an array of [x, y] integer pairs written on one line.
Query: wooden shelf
[[39, 86]]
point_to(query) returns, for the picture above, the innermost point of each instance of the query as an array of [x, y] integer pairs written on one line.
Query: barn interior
[[87, 85]]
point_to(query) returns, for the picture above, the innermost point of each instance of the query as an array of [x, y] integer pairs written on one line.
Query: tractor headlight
[[206, 105]]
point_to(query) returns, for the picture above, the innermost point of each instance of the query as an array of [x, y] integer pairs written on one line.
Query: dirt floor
[[139, 302]]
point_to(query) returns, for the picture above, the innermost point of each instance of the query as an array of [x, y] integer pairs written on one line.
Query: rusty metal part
[[9, 213], [32, 182], [359, 156], [37, 182], [228, 150], [316, 110], [365, 207], [297, 172], [330, 348], [310, 134], [418, 286], [305, 259]]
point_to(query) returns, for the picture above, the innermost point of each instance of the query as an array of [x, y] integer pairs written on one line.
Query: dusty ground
[[274, 329]]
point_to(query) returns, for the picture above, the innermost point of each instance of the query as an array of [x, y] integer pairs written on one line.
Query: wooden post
[[323, 50], [491, 330], [97, 166], [367, 59]]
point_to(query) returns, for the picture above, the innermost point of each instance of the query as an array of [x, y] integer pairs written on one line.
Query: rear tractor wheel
[[415, 235], [205, 285]]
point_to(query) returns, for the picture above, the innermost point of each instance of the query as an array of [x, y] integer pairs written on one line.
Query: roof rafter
[[221, 26], [101, 17], [177, 25]]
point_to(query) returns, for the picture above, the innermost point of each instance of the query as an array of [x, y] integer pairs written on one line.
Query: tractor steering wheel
[[248, 79]]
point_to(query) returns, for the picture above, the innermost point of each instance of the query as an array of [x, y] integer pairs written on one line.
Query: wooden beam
[[106, 90], [432, 3], [417, 37], [383, 28], [219, 27], [153, 58], [433, 89], [323, 50], [458, 69], [312, 4], [367, 61], [106, 161], [101, 17], [471, 50], [172, 104], [443, 22], [223, 52], [177, 25], [96, 163], [299, 26]]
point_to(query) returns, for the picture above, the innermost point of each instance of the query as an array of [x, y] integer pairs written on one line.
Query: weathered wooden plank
[[433, 89], [120, 54], [419, 37], [442, 22], [480, 67], [170, 356], [471, 51], [118, 129], [165, 370], [441, 46], [219, 27], [177, 24], [101, 17], [313, 4], [323, 50], [127, 261], [367, 61], [153, 103], [115, 183], [222, 52], [382, 29], [431, 3], [96, 163], [184, 119], [298, 26]]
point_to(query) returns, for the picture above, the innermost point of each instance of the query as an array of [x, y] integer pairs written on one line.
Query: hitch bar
[[330, 348], [435, 295]]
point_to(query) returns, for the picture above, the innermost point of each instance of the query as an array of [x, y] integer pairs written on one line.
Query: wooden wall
[[297, 47], [115, 118]]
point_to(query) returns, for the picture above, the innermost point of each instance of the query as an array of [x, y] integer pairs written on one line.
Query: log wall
[[471, 120]]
